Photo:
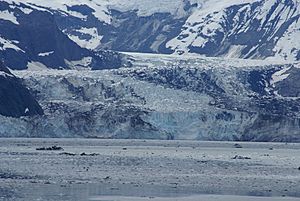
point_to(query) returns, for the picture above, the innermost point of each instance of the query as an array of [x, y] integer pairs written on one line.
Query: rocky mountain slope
[[32, 38], [257, 29], [15, 99], [254, 29]]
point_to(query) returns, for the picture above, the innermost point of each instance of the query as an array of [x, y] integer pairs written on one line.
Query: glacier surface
[[166, 97]]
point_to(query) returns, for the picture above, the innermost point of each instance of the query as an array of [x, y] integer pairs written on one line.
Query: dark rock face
[[290, 87], [15, 99], [132, 33]]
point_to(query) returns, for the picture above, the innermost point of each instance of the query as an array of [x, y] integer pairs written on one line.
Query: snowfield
[[138, 170]]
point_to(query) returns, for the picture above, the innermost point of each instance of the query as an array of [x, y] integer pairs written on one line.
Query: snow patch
[[45, 54], [149, 7], [80, 64], [235, 51], [26, 110], [4, 74], [9, 16], [26, 10], [92, 43], [36, 66], [7, 44], [280, 76]]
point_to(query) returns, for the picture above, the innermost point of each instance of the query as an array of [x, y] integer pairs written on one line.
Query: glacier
[[165, 97]]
